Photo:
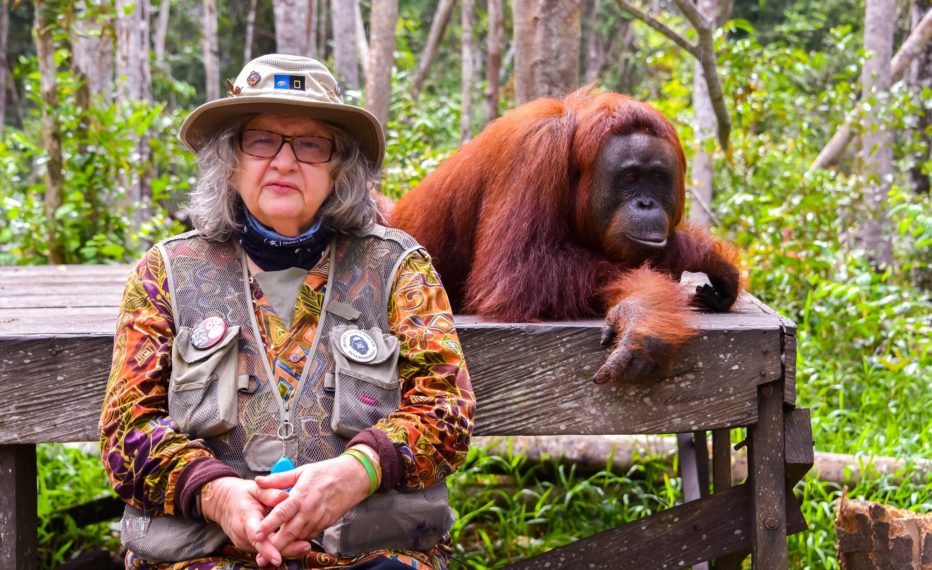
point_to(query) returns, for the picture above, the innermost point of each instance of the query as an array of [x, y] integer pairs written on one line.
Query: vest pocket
[[168, 539], [392, 520], [203, 386], [366, 382]]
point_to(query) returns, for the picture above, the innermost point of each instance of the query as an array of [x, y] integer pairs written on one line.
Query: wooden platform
[[56, 336]]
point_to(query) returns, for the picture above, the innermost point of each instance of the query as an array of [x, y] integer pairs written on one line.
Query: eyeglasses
[[264, 144]]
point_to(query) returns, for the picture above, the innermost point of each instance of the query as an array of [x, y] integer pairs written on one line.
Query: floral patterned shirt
[[145, 455]]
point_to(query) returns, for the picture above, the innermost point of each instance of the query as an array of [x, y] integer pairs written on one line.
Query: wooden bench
[[56, 336]]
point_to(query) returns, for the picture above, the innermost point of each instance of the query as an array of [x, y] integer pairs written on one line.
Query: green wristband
[[367, 465]]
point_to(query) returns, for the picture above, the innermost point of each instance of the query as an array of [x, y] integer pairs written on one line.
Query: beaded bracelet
[[374, 475]]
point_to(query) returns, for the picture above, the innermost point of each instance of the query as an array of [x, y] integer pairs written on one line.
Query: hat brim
[[211, 117]]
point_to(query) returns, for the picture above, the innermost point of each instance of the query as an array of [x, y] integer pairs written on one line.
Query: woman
[[289, 334]]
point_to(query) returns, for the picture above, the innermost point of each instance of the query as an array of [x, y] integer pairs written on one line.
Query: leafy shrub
[[69, 476], [101, 160]]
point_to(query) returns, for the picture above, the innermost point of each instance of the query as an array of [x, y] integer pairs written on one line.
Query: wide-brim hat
[[286, 84]]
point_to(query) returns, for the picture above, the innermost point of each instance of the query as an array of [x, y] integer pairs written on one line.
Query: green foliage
[[69, 476], [509, 509], [864, 337], [420, 135], [800, 23], [102, 158]]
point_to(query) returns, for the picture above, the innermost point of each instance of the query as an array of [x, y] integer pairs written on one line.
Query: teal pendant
[[282, 465]]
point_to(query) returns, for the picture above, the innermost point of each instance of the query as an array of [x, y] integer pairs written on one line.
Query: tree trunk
[[701, 174], [344, 42], [362, 44], [322, 20], [919, 78], [291, 26], [312, 28], [210, 48], [4, 39], [876, 152], [592, 453], [51, 134], [494, 65], [466, 71], [437, 27], [161, 31], [132, 43], [381, 58], [132, 28], [250, 32], [872, 535], [594, 56], [912, 47], [546, 38], [702, 171]]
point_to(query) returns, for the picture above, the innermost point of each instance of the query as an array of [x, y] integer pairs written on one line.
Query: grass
[[511, 509], [69, 475]]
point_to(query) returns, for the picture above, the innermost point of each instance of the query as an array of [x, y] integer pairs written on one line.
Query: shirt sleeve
[[428, 436], [143, 452]]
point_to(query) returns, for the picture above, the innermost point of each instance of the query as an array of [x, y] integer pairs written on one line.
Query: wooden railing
[[56, 338]]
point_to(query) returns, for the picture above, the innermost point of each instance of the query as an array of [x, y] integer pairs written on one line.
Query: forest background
[[836, 236]]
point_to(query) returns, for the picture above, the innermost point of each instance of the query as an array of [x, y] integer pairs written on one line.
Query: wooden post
[[694, 470], [767, 477], [721, 481], [721, 459], [18, 507], [701, 443]]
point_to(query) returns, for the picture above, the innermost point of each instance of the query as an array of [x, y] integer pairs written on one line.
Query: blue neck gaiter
[[272, 251]]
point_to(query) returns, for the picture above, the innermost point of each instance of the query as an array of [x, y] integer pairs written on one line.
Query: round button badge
[[208, 332], [358, 345]]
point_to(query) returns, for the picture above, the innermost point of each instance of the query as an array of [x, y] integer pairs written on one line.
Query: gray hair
[[214, 202]]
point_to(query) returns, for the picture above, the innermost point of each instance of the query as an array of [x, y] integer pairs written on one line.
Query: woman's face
[[280, 192]]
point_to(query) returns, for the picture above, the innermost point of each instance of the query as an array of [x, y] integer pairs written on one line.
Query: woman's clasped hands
[[260, 516]]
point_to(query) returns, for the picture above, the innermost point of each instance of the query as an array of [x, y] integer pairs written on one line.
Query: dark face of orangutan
[[634, 195]]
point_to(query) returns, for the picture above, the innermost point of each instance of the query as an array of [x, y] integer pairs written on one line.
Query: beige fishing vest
[[224, 394]]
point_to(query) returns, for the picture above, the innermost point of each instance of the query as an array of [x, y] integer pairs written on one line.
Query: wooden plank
[[721, 459], [675, 538], [789, 365], [788, 349], [799, 447], [63, 295], [701, 443], [54, 323], [713, 384], [39, 379], [721, 481], [11, 284], [689, 471], [767, 477], [32, 272], [18, 504], [690, 450]]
